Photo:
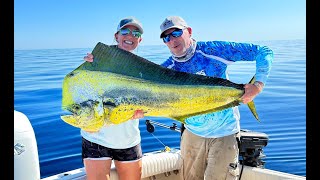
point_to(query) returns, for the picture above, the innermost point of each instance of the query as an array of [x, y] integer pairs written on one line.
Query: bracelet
[[258, 85]]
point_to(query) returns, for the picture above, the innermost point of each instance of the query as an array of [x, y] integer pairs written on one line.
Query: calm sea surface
[[38, 76]]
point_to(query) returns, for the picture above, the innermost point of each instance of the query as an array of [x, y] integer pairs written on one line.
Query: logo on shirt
[[201, 73]]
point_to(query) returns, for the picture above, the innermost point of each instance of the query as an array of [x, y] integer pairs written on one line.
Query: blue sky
[[48, 24]]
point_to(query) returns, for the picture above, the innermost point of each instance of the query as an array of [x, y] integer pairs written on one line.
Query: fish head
[[87, 115], [81, 100]]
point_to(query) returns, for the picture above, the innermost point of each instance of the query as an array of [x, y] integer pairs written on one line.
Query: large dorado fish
[[109, 90]]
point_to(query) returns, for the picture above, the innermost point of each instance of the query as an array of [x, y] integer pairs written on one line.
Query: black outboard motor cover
[[251, 148]]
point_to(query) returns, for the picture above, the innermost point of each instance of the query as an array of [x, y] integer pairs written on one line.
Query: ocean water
[[38, 76]]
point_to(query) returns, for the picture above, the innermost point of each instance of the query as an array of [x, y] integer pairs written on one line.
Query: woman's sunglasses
[[176, 33], [126, 31]]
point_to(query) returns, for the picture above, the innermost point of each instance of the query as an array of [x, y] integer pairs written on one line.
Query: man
[[208, 145]]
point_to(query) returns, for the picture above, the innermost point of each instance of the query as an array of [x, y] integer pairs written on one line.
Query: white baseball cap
[[130, 21], [172, 22]]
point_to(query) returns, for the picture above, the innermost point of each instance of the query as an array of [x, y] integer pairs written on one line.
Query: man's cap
[[130, 21], [172, 22]]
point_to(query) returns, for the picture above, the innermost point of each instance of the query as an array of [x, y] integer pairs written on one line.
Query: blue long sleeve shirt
[[211, 58]]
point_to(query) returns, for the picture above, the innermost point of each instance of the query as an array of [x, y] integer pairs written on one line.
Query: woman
[[122, 142]]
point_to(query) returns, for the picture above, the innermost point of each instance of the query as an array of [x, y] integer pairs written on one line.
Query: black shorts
[[93, 150]]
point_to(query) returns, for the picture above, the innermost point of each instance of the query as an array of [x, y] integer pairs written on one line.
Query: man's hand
[[138, 114], [251, 91], [88, 57]]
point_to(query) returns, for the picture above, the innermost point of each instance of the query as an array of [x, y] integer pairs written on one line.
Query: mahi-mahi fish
[[117, 83]]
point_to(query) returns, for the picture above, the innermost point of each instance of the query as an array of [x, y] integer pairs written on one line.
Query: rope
[[166, 148]]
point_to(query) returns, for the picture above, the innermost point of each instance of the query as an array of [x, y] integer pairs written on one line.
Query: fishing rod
[[150, 126]]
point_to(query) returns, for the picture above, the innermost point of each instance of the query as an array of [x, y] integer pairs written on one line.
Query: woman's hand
[[88, 57], [138, 114]]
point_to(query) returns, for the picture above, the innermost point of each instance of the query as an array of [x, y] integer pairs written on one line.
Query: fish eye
[[76, 107], [109, 103]]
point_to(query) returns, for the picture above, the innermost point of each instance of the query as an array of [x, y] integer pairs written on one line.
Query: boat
[[158, 165]]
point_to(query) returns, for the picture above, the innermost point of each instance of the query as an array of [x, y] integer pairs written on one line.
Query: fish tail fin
[[253, 79], [252, 108], [251, 105]]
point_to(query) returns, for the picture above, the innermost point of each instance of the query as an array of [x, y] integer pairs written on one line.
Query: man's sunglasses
[[126, 31], [176, 33]]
